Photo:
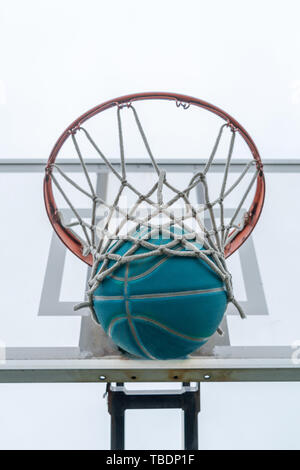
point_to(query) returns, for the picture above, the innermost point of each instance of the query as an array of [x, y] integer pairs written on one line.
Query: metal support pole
[[116, 409], [119, 400], [191, 408]]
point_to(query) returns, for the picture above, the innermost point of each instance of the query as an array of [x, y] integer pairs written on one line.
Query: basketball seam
[[129, 318], [162, 294], [139, 276], [160, 325], [147, 272]]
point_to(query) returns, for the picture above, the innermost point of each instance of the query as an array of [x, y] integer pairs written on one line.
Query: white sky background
[[59, 58]]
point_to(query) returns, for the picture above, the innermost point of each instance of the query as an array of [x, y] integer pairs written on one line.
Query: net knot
[[231, 126], [123, 105], [49, 168], [183, 104], [74, 129]]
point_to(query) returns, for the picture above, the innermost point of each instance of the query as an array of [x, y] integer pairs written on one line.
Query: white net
[[155, 208]]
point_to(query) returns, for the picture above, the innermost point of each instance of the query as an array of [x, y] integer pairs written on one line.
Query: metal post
[[120, 399], [191, 408]]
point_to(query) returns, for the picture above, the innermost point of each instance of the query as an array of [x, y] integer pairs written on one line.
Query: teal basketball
[[160, 307]]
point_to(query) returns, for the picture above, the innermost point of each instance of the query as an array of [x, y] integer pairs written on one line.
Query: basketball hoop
[[220, 241]]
